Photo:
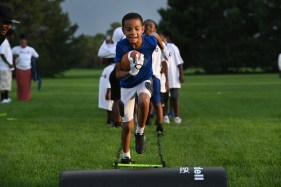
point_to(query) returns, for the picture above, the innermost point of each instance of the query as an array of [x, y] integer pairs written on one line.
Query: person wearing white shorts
[[128, 98], [135, 81]]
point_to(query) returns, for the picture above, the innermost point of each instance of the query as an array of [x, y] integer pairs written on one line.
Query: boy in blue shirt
[[135, 81]]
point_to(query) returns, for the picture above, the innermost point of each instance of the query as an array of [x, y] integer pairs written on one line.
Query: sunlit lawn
[[233, 121]]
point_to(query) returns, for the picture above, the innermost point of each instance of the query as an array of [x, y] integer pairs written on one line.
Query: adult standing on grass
[[22, 57], [135, 81], [6, 19], [175, 74], [6, 68]]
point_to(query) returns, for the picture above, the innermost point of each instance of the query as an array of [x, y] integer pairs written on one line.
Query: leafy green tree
[[225, 36], [49, 31], [113, 26], [87, 48]]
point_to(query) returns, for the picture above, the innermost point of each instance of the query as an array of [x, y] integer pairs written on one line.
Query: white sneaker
[[177, 120], [4, 101], [166, 119]]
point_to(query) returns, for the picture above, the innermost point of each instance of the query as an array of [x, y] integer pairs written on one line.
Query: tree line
[[217, 36], [223, 36]]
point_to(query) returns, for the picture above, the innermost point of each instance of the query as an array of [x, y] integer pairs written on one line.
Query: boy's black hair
[[167, 34], [23, 37], [131, 15], [150, 20]]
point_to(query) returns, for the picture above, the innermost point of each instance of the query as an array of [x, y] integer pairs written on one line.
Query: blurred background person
[[6, 21], [175, 74], [158, 62], [22, 55], [111, 85], [279, 65], [6, 67]]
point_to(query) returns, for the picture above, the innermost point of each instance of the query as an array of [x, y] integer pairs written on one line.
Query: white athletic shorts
[[6, 80], [127, 102]]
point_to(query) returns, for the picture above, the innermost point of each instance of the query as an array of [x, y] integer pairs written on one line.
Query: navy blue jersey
[[149, 44]]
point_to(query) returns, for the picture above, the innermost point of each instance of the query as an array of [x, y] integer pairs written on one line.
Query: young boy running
[[136, 81]]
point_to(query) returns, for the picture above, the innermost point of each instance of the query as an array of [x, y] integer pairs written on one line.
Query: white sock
[[124, 155], [140, 130]]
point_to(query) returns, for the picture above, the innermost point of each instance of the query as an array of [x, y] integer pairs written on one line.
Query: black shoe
[[140, 143], [160, 130], [127, 160], [117, 124]]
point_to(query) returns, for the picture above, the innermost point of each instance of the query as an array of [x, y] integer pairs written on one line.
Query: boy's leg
[[150, 114], [116, 115], [156, 99], [126, 109], [175, 104], [165, 103], [109, 117], [126, 132], [159, 114], [143, 109], [144, 91]]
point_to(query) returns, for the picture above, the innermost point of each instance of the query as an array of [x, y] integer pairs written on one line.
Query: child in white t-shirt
[[175, 74]]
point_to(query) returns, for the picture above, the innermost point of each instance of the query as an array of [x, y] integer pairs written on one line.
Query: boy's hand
[[135, 64], [165, 54]]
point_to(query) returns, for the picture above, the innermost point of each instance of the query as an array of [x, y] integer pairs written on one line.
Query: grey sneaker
[[140, 143]]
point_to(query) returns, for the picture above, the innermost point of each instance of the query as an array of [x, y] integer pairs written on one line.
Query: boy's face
[[133, 30], [149, 27], [23, 43], [5, 26]]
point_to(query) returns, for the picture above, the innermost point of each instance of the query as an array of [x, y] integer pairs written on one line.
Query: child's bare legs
[[116, 114], [143, 109], [159, 113], [126, 132], [175, 106], [109, 116]]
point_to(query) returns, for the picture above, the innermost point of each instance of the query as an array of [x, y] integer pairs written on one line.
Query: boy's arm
[[159, 40], [165, 71], [6, 61], [181, 75], [120, 74], [108, 94], [161, 45]]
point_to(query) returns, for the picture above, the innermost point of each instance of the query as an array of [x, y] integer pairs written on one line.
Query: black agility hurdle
[[148, 177]]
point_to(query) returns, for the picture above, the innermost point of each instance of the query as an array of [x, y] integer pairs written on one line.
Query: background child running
[[136, 81], [157, 63]]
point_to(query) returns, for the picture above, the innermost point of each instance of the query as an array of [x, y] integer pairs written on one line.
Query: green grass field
[[232, 121]]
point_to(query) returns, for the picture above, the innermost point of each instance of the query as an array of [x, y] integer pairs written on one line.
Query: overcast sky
[[95, 16]]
